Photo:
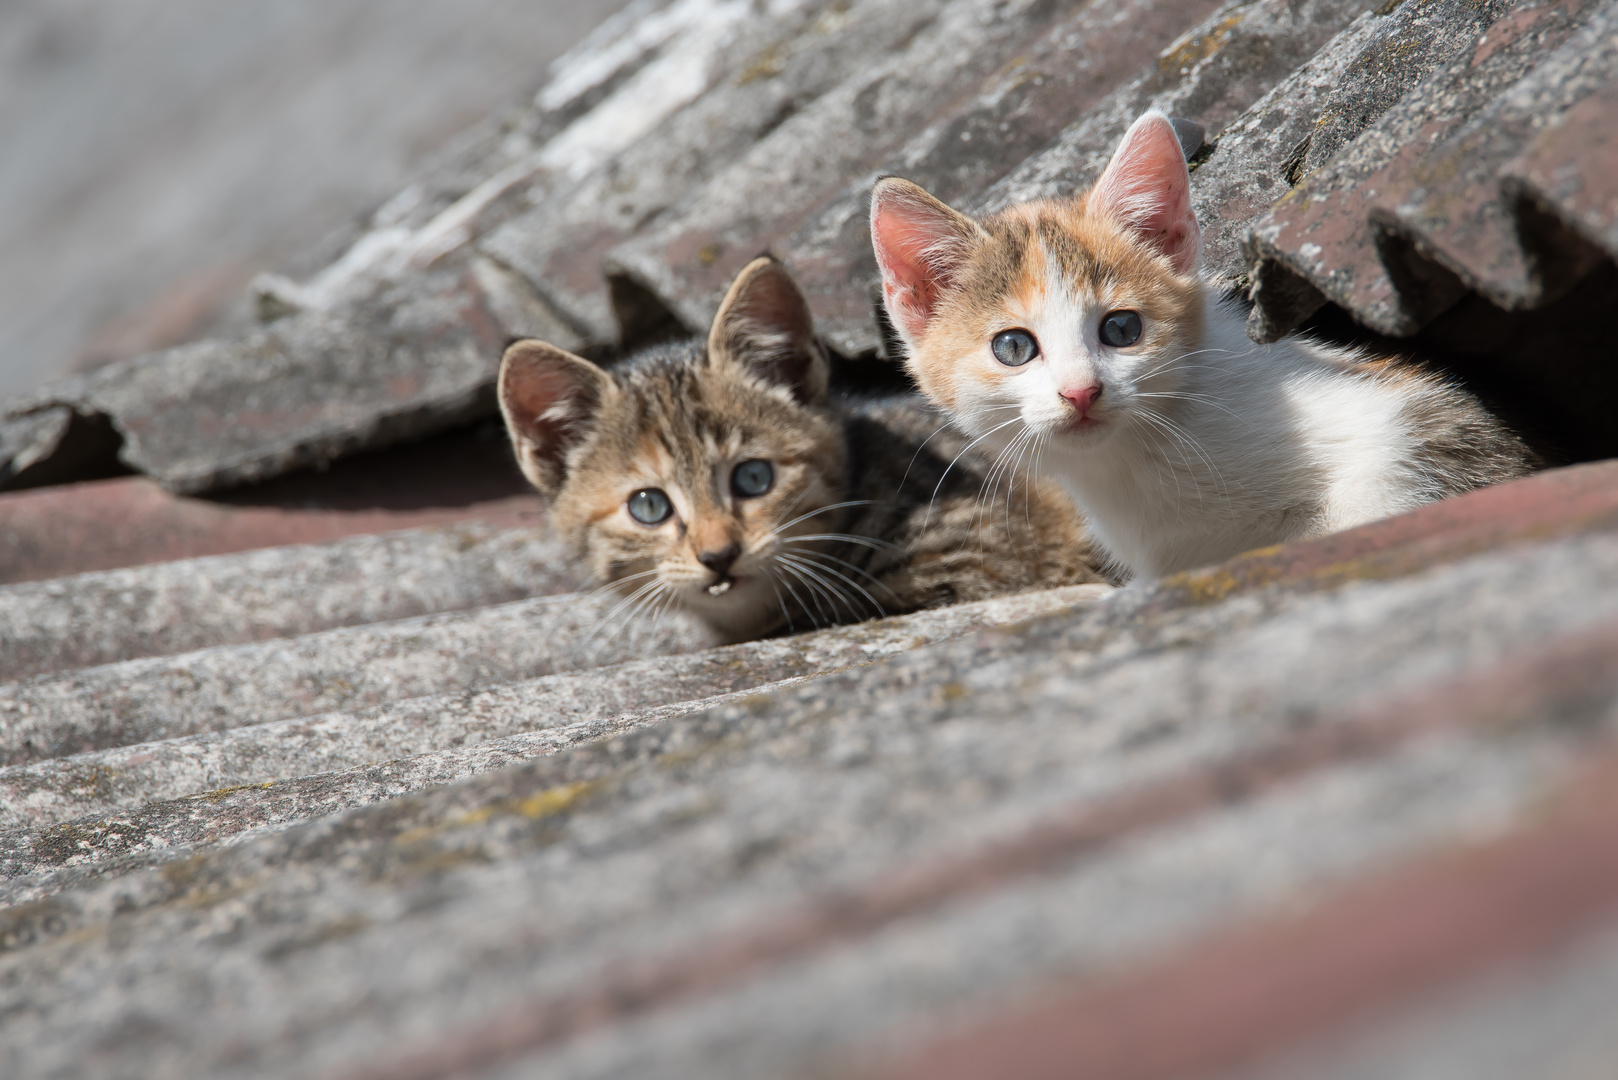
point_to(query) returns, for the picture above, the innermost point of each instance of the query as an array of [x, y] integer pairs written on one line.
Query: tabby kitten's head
[[684, 473], [1070, 315]]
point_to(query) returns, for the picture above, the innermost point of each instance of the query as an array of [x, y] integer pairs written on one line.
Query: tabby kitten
[[1085, 327], [724, 478]]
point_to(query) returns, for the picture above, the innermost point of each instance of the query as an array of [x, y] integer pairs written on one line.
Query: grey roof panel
[[1356, 229], [216, 689], [114, 615], [154, 798]]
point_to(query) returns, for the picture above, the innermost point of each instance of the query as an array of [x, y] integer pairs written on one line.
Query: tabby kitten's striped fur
[[723, 477]]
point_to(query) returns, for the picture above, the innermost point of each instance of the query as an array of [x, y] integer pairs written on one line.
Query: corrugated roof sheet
[[681, 142], [401, 805]]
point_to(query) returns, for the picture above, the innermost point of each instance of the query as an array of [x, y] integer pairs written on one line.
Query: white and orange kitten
[[1085, 327]]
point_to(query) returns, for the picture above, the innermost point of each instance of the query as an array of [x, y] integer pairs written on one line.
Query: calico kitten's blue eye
[[1014, 348], [752, 478], [649, 506], [1120, 329]]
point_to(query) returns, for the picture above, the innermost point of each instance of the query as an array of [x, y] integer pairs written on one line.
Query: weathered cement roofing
[[879, 848], [382, 806], [113, 615]]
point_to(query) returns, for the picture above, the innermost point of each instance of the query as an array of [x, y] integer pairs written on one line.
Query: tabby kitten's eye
[[1014, 348], [1120, 329], [752, 478], [650, 506]]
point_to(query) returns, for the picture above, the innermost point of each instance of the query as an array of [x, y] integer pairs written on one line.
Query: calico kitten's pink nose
[[1082, 397], [720, 561]]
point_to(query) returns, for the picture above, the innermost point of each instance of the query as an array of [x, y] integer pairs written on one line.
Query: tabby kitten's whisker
[[876, 581], [824, 509], [632, 602], [814, 591], [847, 538], [820, 565], [828, 577]]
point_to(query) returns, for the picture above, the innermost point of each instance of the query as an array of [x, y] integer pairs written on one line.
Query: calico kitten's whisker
[[1161, 429], [1196, 445], [1015, 470], [942, 427], [1040, 444], [1177, 359], [913, 457], [997, 471], [937, 487], [983, 500], [1200, 399], [1017, 467]]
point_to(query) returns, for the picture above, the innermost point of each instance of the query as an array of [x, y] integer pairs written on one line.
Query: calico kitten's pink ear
[[1147, 187], [921, 246], [550, 399], [765, 325]]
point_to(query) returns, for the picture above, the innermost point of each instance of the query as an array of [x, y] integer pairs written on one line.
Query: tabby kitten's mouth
[[724, 585]]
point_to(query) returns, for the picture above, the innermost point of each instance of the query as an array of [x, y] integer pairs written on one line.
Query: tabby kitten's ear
[[550, 399], [764, 324], [1147, 187], [921, 246]]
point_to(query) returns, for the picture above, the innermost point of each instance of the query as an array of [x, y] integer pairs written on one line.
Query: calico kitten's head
[[1067, 315], [683, 472]]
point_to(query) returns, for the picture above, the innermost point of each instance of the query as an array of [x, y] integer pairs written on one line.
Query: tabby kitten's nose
[[720, 561]]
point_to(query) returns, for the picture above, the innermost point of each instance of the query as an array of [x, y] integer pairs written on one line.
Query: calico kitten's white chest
[[1275, 444]]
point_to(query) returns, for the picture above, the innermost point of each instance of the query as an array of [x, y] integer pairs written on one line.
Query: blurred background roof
[[155, 154]]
